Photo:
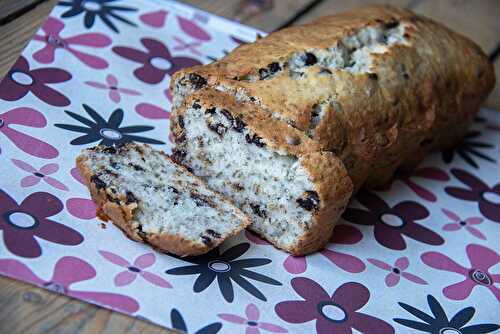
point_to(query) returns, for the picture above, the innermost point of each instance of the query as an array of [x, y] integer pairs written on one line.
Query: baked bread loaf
[[291, 125], [156, 201]]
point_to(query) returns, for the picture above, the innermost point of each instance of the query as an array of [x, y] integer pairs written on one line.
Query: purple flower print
[[70, 270], [465, 224], [154, 19], [397, 271], [477, 275], [343, 235], [157, 62], [488, 198], [26, 117], [338, 313], [39, 174], [136, 269], [82, 208], [251, 321], [192, 29], [429, 173], [20, 80], [152, 111], [22, 223], [391, 223], [111, 85], [53, 42]]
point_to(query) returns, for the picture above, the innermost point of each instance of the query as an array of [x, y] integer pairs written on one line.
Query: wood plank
[[478, 20], [493, 100], [329, 7], [266, 20], [14, 8], [27, 309], [15, 34]]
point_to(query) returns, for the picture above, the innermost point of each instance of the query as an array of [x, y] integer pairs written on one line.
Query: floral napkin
[[419, 257]]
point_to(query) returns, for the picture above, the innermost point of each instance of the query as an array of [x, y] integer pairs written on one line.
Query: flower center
[[134, 269], [332, 311], [392, 220], [160, 63], [21, 219], [449, 330], [111, 134], [56, 41], [492, 197], [251, 323], [38, 174], [396, 271], [22, 78], [113, 87], [56, 287], [462, 223], [219, 266], [92, 6], [480, 277]]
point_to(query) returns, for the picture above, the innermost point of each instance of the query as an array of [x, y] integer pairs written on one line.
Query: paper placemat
[[419, 257]]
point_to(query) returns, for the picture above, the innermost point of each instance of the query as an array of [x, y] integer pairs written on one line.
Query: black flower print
[[469, 149], [106, 132], [438, 323], [103, 9], [227, 269], [179, 323]]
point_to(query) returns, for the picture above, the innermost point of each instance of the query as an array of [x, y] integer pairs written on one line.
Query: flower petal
[[21, 243], [203, 281], [54, 183], [325, 326], [235, 319], [255, 238], [24, 116], [358, 216], [461, 193], [351, 296], [410, 210], [422, 234], [30, 145], [70, 269], [414, 324], [10, 90], [271, 327], [413, 278], [432, 173], [58, 233], [29, 181], [368, 324], [89, 60], [452, 227], [235, 251], [49, 169], [389, 237], [125, 278], [226, 288], [495, 291], [145, 260], [459, 291], [17, 269], [51, 75], [482, 257], [95, 40], [470, 180], [441, 261], [41, 205], [295, 264], [150, 74], [475, 232], [380, 264], [346, 235], [347, 262], [479, 329], [421, 191], [114, 258], [151, 111], [112, 300], [24, 166], [371, 201], [309, 289], [252, 312], [53, 26], [114, 95], [402, 263], [128, 91], [50, 95], [81, 208], [155, 279], [452, 215], [131, 54], [297, 312], [391, 279], [96, 84], [192, 29], [462, 317], [474, 220], [7, 203]]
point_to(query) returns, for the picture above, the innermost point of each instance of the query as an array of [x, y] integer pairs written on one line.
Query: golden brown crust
[[122, 214]]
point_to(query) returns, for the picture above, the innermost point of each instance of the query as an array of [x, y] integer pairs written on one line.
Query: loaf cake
[[289, 127], [156, 201]]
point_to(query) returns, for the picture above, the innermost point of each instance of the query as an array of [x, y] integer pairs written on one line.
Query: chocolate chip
[[210, 111], [292, 140], [180, 120], [206, 240], [114, 165], [227, 114], [213, 233], [130, 197], [109, 149], [406, 76], [143, 235], [252, 99], [200, 200], [196, 106], [180, 139], [98, 182], [325, 71], [217, 128], [255, 140], [263, 73], [136, 167], [238, 124], [274, 67], [108, 171], [197, 81], [373, 76], [178, 155], [310, 59], [174, 190], [257, 210], [393, 23], [310, 201]]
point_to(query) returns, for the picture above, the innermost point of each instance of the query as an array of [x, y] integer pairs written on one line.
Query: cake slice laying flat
[[156, 201]]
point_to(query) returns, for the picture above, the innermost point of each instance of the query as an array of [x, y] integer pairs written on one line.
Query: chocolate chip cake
[[156, 201]]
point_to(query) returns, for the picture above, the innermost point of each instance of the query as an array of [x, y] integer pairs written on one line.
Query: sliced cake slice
[[156, 201]]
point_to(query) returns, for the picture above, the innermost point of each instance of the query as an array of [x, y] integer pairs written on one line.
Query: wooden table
[[26, 309]]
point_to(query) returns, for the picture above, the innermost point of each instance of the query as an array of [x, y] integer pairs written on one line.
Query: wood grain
[[15, 33], [26, 309]]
